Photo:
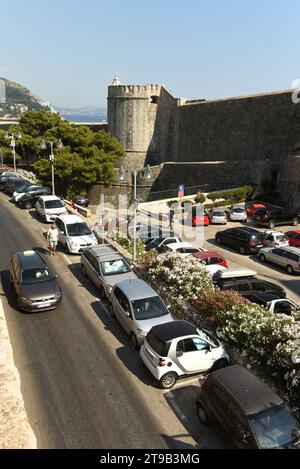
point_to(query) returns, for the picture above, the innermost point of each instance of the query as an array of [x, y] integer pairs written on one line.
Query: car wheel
[[222, 363], [218, 239], [111, 310], [290, 270], [19, 304], [168, 380], [83, 271], [67, 249], [271, 224], [295, 221], [28, 205], [134, 340], [242, 250], [262, 257], [103, 293], [202, 416]]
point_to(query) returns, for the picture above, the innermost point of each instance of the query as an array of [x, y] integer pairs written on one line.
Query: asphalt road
[[83, 384]]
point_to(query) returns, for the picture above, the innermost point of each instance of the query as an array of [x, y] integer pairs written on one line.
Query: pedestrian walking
[[53, 237], [171, 218]]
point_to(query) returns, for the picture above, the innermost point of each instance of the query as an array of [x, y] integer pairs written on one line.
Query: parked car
[[245, 282], [211, 258], [275, 303], [199, 216], [74, 233], [251, 208], [237, 213], [245, 240], [5, 178], [183, 249], [176, 349], [34, 283], [105, 267], [286, 257], [294, 238], [138, 308], [80, 200], [12, 184], [161, 241], [274, 239], [49, 207], [26, 189], [28, 200], [248, 410], [217, 216], [275, 217]]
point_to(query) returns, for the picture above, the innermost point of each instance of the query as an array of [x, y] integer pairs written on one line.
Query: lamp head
[[43, 145], [60, 144]]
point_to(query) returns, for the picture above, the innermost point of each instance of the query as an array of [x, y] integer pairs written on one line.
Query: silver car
[[217, 216], [274, 239], [138, 308], [237, 213], [105, 267], [286, 257]]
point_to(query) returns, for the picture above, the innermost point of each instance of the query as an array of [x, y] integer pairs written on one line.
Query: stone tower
[[132, 117]]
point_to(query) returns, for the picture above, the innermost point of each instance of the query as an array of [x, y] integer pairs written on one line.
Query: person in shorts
[[53, 237]]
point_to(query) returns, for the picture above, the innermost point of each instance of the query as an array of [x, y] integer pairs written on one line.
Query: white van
[[74, 233]]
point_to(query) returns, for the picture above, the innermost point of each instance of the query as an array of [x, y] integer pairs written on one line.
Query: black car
[[28, 201], [244, 239], [80, 200], [35, 285], [245, 282], [4, 179], [248, 410], [273, 217], [13, 184]]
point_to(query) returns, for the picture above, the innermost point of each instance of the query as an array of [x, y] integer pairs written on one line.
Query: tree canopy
[[87, 156]]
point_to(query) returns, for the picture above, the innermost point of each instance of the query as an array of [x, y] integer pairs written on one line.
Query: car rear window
[[158, 345], [257, 238], [238, 210], [218, 214]]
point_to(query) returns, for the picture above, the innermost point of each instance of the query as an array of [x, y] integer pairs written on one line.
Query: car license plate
[[44, 305]]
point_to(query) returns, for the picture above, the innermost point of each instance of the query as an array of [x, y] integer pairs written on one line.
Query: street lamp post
[[147, 174], [13, 145], [59, 144]]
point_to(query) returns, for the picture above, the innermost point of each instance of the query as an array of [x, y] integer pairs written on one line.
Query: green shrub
[[187, 202], [235, 195], [200, 199]]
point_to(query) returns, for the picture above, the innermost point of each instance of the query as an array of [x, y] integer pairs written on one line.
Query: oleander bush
[[213, 303], [184, 277]]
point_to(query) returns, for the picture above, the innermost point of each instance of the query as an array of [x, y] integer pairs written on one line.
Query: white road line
[[170, 397], [67, 259]]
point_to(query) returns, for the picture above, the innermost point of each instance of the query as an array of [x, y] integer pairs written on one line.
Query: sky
[[67, 51]]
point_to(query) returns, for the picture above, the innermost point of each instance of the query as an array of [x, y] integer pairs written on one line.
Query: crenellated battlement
[[139, 91]]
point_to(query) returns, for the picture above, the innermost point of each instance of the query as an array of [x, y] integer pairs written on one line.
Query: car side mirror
[[179, 353], [128, 314], [132, 266]]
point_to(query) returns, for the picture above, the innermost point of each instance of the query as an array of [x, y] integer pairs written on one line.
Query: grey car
[[287, 257], [237, 213], [105, 267], [217, 216], [35, 285], [138, 308]]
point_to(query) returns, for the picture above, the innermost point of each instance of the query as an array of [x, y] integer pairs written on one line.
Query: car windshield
[[36, 276], [78, 229], [22, 188], [148, 308], [115, 267], [218, 214], [26, 188], [238, 210], [281, 238], [156, 242], [275, 428], [257, 238], [54, 204], [198, 212], [207, 337]]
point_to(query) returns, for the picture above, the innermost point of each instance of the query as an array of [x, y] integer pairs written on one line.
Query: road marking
[[170, 397], [67, 259]]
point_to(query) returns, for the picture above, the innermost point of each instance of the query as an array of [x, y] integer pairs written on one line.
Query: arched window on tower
[[154, 99]]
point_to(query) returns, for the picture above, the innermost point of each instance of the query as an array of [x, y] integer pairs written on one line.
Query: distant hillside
[[18, 100]]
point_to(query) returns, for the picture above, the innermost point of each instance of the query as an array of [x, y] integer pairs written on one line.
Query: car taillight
[[263, 217], [162, 362], [251, 243]]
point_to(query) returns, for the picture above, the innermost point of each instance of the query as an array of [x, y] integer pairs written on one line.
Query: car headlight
[[58, 294], [142, 332], [25, 299], [74, 243]]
